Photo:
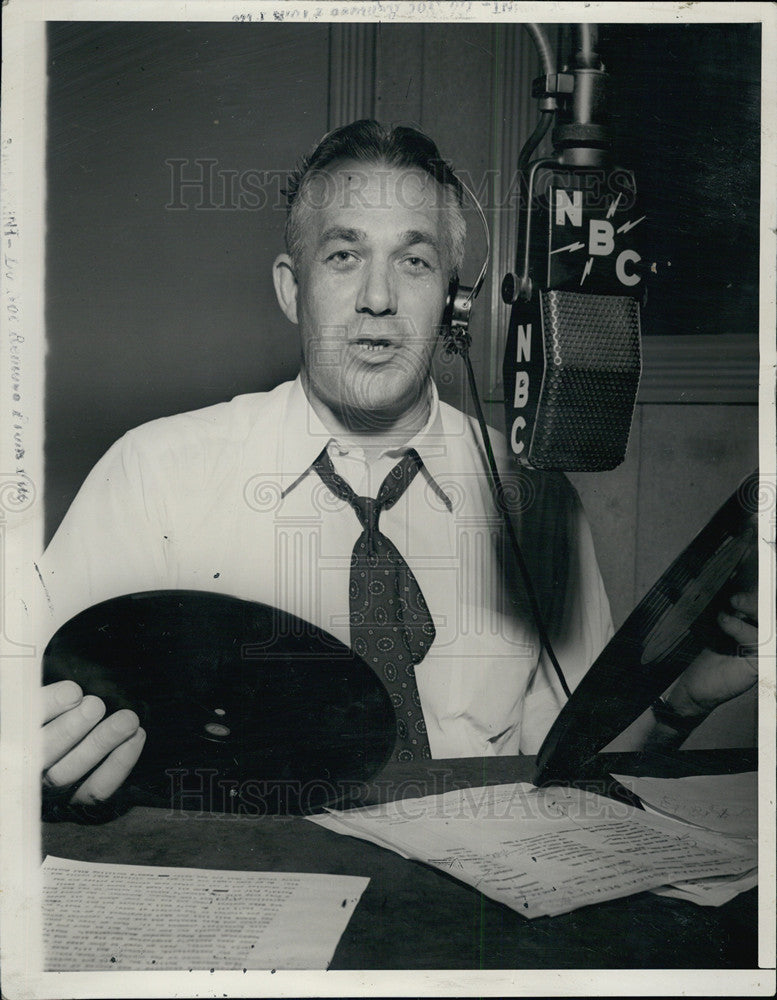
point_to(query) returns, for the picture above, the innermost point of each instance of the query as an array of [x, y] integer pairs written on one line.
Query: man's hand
[[714, 678], [77, 740], [711, 679]]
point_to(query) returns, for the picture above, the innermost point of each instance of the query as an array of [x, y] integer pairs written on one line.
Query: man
[[288, 497]]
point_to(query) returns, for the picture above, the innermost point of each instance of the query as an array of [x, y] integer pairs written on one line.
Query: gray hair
[[367, 141]]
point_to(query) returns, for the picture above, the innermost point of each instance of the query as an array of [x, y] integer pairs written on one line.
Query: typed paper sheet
[[136, 917]]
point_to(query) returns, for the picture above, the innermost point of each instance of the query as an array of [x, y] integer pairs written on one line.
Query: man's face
[[370, 290]]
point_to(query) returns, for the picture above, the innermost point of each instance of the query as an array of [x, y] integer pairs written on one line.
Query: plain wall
[[152, 309]]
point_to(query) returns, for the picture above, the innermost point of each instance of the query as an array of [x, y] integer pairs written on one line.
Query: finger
[[746, 603], [743, 632], [68, 729], [113, 771], [59, 697], [93, 748]]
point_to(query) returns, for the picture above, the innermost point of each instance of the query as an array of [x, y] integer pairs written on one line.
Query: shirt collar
[[302, 438], [305, 436]]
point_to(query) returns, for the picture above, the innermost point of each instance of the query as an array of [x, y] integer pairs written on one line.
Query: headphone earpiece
[[447, 314], [458, 305]]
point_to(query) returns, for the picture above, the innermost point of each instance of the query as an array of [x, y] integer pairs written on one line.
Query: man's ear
[[286, 287]]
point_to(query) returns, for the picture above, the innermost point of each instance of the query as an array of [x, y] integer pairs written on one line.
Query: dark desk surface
[[415, 917]]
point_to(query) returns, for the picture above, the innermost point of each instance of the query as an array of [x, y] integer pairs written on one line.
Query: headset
[[458, 304]]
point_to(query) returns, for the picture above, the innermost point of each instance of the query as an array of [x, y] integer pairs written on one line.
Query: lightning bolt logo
[[587, 269], [629, 225], [611, 209], [570, 247]]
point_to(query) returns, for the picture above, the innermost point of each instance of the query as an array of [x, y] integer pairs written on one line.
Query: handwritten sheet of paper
[[135, 917], [727, 803], [542, 851]]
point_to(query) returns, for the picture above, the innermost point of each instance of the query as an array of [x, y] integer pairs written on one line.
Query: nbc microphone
[[572, 359]]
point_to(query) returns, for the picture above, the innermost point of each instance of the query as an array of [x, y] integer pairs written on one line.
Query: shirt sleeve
[[111, 541]]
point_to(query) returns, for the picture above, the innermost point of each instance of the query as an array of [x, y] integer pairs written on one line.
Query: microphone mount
[[580, 94]]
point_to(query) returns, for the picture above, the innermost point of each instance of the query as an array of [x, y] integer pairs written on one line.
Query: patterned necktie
[[391, 628]]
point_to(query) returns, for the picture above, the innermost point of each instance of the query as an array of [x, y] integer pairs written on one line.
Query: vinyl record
[[247, 709], [668, 629]]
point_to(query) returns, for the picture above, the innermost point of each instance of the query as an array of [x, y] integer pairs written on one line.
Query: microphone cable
[[539, 133]]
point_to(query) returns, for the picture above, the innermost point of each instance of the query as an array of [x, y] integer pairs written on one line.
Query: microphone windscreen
[[571, 374], [592, 366]]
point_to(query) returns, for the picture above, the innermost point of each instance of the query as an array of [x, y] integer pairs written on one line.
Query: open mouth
[[373, 345], [374, 350]]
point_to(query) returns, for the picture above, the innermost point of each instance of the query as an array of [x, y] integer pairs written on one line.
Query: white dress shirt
[[224, 499]]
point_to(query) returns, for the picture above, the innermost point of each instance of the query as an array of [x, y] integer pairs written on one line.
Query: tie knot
[[368, 512], [392, 488]]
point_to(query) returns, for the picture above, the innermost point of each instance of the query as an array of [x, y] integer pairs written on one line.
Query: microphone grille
[[592, 370]]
